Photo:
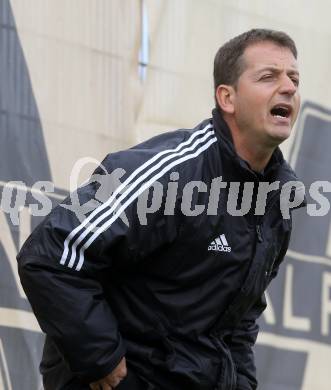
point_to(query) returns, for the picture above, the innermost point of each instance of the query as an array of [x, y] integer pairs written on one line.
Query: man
[[169, 300]]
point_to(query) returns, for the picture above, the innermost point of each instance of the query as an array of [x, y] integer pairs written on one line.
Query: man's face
[[266, 98]]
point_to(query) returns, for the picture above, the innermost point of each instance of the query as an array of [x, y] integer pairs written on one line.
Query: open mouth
[[281, 111]]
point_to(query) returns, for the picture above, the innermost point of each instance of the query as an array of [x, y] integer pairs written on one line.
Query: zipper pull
[[259, 233]]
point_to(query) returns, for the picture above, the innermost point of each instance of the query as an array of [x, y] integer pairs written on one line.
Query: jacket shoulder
[[163, 151]]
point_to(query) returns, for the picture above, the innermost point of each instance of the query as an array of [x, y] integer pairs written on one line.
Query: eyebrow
[[275, 69]]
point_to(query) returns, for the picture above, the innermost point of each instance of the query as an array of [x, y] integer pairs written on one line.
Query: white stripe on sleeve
[[108, 223], [123, 185]]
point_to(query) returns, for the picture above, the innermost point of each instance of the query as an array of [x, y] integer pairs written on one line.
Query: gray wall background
[[71, 91]]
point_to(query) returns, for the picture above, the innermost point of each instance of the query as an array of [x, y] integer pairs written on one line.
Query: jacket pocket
[[191, 364]]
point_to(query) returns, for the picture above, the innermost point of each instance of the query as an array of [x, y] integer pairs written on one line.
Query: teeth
[[281, 111]]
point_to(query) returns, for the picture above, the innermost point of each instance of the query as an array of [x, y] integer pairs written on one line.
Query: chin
[[280, 135], [277, 139]]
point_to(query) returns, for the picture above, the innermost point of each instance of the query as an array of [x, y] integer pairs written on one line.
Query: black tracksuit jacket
[[177, 294]]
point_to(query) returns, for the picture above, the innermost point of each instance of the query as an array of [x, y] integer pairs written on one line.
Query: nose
[[287, 86]]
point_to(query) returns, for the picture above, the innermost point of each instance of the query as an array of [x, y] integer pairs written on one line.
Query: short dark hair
[[228, 63]]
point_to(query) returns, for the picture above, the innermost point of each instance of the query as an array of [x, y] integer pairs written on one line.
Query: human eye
[[295, 81], [267, 77]]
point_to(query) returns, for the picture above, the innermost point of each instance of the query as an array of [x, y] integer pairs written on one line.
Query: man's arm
[[63, 268], [71, 309]]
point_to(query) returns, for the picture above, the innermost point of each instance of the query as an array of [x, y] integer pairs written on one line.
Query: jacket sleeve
[[69, 256]]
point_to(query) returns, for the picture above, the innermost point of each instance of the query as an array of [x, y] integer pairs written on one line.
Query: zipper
[[259, 230], [271, 266], [258, 226], [259, 233]]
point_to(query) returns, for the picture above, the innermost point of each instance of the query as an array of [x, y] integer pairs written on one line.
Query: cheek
[[297, 107], [258, 103], [299, 101], [250, 104]]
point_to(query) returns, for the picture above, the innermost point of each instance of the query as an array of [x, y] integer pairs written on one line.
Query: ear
[[225, 98]]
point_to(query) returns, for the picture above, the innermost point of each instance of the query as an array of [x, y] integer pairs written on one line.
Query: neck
[[251, 150], [256, 157]]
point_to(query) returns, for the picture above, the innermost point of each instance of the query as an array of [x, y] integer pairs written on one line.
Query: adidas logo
[[220, 244]]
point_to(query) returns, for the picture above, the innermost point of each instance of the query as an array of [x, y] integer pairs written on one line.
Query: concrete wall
[[71, 89]]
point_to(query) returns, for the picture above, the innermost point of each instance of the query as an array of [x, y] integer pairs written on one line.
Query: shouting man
[[160, 286]]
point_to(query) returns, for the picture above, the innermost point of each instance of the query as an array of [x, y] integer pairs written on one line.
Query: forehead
[[263, 54]]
